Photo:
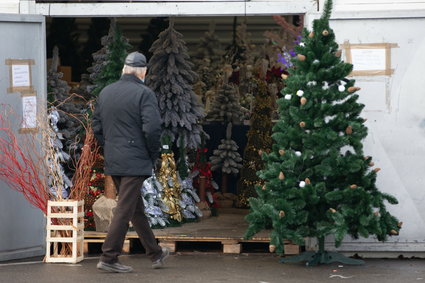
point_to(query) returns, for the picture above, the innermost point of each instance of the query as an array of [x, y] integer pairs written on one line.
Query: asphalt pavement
[[215, 267]]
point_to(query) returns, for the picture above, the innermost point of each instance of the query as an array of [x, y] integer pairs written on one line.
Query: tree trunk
[[224, 178], [110, 190]]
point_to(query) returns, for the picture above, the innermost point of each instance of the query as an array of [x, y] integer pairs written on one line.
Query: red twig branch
[[21, 167]]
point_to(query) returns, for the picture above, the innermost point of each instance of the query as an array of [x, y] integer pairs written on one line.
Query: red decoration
[[204, 169]]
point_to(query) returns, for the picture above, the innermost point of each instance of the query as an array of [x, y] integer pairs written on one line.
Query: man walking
[[127, 124]]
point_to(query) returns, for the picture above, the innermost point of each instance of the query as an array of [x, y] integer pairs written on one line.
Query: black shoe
[[160, 262], [114, 267]]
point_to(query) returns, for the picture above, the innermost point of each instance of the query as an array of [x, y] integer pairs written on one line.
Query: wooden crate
[[65, 231]]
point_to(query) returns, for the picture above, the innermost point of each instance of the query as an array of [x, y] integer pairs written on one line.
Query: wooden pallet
[[227, 229], [91, 241], [229, 245]]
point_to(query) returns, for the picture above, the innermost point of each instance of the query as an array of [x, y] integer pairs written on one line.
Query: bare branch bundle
[[89, 154]]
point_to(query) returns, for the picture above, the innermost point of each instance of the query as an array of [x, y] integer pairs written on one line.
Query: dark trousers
[[129, 208]]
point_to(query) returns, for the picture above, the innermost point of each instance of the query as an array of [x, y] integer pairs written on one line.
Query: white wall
[[9, 6], [168, 8]]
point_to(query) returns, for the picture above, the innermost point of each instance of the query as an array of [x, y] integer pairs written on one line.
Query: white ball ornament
[[300, 92], [302, 184], [288, 97], [298, 153], [341, 88], [302, 44], [325, 86]]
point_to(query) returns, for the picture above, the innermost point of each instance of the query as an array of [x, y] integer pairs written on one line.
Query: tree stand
[[322, 257], [202, 204]]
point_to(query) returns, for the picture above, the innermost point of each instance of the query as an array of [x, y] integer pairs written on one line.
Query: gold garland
[[172, 193]]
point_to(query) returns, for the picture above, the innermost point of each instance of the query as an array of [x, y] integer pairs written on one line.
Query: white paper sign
[[29, 112], [21, 75], [368, 59]]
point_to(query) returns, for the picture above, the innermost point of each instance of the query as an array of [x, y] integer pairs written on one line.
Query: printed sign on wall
[[29, 113], [372, 59], [20, 75]]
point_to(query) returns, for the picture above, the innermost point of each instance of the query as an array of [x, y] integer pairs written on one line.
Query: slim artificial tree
[[108, 61], [208, 61], [171, 78], [317, 180], [64, 113], [225, 107], [226, 158], [259, 140]]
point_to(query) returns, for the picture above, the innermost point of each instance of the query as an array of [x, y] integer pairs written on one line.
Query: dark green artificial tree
[[171, 77], [109, 60], [259, 140], [317, 180]]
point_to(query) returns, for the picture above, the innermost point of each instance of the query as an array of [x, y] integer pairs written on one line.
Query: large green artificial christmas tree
[[259, 140], [317, 180], [171, 77]]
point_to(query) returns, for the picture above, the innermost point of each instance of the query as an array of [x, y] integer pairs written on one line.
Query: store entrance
[[233, 66]]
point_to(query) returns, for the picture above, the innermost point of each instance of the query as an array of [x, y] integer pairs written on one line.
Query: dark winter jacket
[[127, 123]]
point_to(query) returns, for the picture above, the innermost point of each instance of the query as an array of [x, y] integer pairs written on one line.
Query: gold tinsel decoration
[[172, 192]]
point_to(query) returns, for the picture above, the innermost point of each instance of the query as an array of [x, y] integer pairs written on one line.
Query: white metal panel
[[156, 9], [378, 5], [22, 227], [9, 6]]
